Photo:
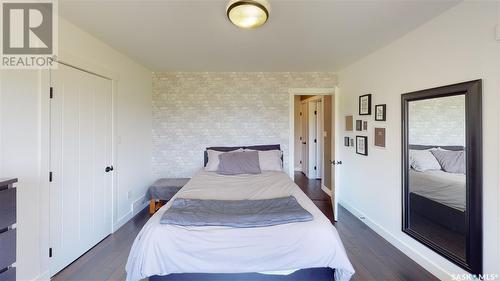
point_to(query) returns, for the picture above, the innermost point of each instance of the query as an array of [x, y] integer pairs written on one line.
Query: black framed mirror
[[442, 171]]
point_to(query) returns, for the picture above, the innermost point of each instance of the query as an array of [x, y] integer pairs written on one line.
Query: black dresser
[[7, 229]]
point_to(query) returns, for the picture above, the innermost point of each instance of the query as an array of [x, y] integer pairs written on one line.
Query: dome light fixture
[[248, 14]]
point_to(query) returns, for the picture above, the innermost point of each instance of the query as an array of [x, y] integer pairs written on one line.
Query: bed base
[[446, 216], [316, 274]]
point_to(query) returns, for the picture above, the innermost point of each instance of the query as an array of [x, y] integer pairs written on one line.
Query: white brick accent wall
[[194, 110]]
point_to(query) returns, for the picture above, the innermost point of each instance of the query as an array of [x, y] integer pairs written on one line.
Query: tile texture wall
[[438, 121], [194, 110]]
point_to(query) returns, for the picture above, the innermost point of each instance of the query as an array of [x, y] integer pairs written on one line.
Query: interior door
[[305, 139], [328, 146], [319, 138], [80, 149], [336, 143], [312, 138]]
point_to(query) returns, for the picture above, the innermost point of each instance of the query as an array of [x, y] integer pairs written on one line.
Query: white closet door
[[319, 138], [312, 131], [305, 139], [81, 149]]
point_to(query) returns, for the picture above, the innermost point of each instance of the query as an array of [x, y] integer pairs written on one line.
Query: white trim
[[311, 91], [409, 251], [497, 32], [137, 206], [44, 276], [326, 190], [123, 220]]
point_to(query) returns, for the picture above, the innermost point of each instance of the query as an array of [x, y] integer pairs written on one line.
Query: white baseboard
[[137, 206], [44, 276], [413, 254], [123, 220], [326, 190]]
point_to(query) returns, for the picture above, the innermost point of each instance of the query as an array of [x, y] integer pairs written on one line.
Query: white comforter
[[440, 186], [163, 249]]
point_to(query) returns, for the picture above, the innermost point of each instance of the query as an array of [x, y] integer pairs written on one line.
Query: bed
[[309, 250], [437, 195]]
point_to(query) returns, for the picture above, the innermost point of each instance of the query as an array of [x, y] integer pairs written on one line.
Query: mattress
[[439, 186], [161, 249]]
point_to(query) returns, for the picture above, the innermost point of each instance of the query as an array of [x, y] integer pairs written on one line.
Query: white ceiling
[[301, 35]]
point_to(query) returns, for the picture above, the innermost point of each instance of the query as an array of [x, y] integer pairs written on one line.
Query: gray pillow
[[234, 163], [450, 161]]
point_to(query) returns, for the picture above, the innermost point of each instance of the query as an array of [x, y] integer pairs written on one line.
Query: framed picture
[[346, 141], [348, 123], [365, 125], [359, 125], [379, 137], [352, 142], [365, 104], [380, 112], [362, 145]]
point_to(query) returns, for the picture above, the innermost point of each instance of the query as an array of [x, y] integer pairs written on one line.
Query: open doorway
[[313, 138]]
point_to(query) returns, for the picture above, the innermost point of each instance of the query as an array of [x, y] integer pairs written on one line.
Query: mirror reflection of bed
[[437, 171]]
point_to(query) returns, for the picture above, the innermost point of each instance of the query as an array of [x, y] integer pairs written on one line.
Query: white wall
[[23, 145], [457, 46]]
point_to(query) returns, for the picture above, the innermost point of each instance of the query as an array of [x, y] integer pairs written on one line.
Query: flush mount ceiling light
[[248, 14]]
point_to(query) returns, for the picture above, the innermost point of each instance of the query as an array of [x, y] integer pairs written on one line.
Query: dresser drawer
[[9, 275], [7, 207], [7, 248]]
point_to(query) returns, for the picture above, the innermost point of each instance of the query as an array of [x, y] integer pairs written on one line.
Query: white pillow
[[269, 160], [423, 160], [213, 159]]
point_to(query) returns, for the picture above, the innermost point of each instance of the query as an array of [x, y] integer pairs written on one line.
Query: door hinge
[[51, 92], [315, 112], [50, 252], [50, 176]]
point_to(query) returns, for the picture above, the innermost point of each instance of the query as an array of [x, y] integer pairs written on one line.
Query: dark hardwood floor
[[373, 257]]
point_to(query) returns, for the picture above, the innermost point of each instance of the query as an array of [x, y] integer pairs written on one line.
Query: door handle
[[303, 142], [333, 162], [109, 169]]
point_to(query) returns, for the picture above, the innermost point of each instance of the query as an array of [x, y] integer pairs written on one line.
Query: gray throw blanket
[[235, 213]]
